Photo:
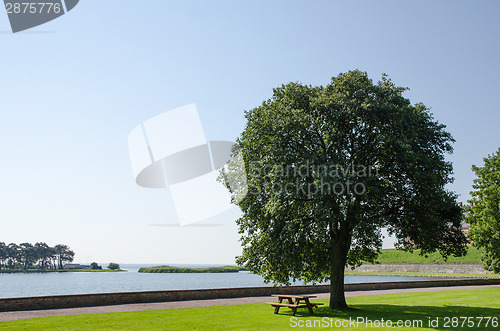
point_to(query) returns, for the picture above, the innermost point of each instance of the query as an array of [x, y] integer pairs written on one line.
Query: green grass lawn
[[396, 256], [408, 307]]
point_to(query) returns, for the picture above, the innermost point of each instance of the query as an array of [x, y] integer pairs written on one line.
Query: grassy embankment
[[170, 269], [417, 308], [395, 256], [422, 274], [387, 256]]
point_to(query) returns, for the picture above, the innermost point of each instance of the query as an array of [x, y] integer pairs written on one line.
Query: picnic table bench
[[294, 302]]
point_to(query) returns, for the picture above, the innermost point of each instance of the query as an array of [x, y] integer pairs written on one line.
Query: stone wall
[[104, 299]]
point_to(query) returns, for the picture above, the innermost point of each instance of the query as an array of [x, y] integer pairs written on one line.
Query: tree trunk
[[341, 243], [337, 296]]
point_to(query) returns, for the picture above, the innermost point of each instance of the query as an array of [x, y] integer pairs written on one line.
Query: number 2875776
[[33, 8]]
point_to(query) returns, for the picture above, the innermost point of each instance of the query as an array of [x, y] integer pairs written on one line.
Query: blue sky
[[74, 88]]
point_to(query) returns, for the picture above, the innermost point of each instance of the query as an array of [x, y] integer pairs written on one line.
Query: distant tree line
[[38, 256]]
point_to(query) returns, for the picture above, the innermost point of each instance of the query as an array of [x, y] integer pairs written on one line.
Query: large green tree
[[483, 212], [44, 254], [328, 167], [3, 254], [63, 254], [13, 255], [27, 255]]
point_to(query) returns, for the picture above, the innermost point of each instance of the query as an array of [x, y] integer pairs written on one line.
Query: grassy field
[[395, 256], [417, 309]]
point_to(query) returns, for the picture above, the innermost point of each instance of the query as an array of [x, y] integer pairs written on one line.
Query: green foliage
[[63, 254], [29, 271], [95, 266], [41, 271], [398, 256], [259, 316], [170, 269], [483, 212], [328, 167], [113, 266], [27, 256]]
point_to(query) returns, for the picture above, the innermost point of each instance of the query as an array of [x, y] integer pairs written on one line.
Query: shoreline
[[32, 271], [106, 299], [25, 315]]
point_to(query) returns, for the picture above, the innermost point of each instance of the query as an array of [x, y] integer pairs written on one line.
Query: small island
[[170, 269], [42, 258]]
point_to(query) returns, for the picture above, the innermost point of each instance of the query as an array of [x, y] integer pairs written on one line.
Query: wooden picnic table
[[294, 302]]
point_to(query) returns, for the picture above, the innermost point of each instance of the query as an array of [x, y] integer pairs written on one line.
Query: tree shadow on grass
[[426, 314]]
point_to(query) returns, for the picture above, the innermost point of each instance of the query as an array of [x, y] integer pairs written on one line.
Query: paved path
[[18, 315]]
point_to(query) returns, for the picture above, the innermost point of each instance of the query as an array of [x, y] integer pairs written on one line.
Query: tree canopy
[[483, 212], [113, 266], [40, 256], [95, 266], [64, 254], [327, 167]]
